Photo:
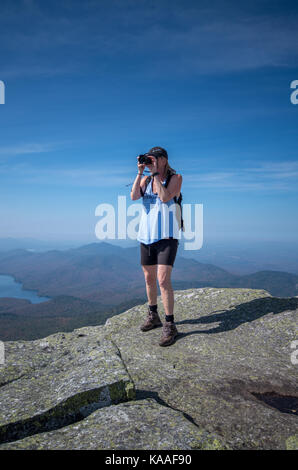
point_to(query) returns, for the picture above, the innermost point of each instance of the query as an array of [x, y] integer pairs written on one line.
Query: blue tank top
[[158, 219]]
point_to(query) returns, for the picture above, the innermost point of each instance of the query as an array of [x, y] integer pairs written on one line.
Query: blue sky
[[90, 85]]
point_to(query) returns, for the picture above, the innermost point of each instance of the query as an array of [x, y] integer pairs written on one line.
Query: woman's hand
[[141, 166]]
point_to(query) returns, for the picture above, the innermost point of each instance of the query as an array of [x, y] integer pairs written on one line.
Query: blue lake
[[10, 288]]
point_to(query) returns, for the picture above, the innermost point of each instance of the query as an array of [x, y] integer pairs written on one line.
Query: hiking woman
[[159, 236]]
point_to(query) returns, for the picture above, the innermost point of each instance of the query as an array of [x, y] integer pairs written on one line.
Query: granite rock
[[227, 382]]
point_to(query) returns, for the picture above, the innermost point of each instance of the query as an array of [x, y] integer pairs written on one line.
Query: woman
[[158, 252]]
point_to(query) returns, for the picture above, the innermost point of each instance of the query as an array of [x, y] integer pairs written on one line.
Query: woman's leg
[[169, 330], [167, 294], [152, 320], [150, 273]]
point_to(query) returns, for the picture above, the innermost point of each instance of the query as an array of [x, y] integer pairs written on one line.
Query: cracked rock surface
[[114, 387], [65, 377], [142, 424]]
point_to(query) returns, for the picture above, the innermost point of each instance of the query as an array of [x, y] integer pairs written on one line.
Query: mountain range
[[89, 283]]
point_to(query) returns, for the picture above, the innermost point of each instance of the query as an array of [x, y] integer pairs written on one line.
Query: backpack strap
[[169, 176], [178, 200], [147, 181]]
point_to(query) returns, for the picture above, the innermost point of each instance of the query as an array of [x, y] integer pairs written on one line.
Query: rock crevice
[[82, 374]]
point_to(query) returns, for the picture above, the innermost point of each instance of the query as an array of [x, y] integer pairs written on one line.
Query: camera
[[144, 159]]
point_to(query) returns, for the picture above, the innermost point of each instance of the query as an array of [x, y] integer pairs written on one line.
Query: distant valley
[[92, 282]]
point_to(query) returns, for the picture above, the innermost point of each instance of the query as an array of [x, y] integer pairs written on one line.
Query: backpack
[[177, 200]]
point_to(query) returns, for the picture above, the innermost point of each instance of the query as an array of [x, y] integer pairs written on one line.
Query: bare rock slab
[[227, 382], [229, 369], [58, 380], [142, 424]]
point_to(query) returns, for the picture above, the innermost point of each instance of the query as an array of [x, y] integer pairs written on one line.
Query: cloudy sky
[[90, 85]]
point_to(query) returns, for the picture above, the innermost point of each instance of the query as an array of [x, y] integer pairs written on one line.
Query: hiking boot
[[152, 321], [169, 333]]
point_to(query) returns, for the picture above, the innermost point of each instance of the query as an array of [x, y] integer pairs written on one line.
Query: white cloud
[[80, 176], [269, 176], [275, 176], [23, 149]]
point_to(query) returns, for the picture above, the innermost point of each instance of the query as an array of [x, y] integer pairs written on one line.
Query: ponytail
[[169, 169]]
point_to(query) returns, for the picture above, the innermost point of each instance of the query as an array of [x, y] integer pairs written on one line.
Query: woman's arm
[[173, 189], [135, 191]]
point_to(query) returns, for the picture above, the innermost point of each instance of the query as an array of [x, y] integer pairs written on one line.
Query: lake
[[10, 288]]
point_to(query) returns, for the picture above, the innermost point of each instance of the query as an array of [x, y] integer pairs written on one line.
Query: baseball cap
[[158, 152]]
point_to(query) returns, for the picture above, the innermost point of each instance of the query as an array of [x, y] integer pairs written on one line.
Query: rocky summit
[[228, 382]]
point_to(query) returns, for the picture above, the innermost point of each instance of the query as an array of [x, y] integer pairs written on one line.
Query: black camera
[[144, 159]]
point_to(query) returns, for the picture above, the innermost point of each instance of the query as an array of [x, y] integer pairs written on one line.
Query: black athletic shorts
[[161, 252]]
